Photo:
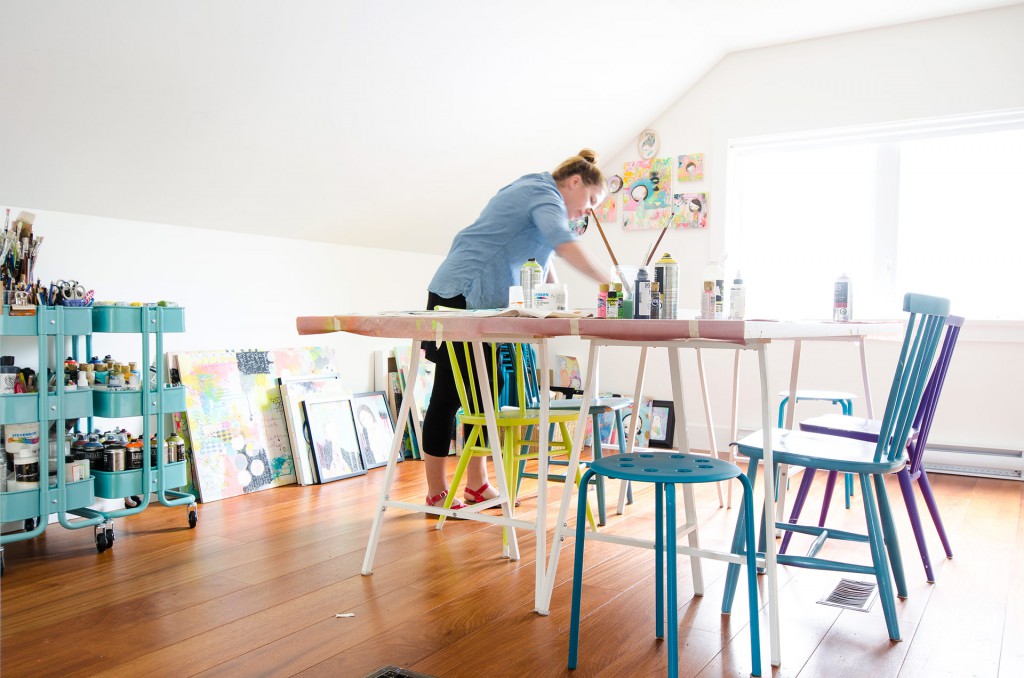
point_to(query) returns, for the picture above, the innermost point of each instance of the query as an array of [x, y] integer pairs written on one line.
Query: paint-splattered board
[[235, 417]]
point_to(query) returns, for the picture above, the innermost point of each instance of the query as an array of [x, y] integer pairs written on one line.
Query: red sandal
[[438, 501], [476, 496]]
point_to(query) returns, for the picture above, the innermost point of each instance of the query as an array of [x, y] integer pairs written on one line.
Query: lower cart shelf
[[24, 504], [117, 484]]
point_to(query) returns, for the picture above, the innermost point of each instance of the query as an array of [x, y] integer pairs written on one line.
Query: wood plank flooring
[[254, 590]]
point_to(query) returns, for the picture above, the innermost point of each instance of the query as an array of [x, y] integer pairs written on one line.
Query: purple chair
[[867, 430]]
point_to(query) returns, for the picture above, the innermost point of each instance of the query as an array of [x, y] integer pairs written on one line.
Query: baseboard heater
[[975, 461]]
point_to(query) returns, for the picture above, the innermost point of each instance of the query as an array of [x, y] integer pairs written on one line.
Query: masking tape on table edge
[[695, 329], [574, 326], [438, 331]]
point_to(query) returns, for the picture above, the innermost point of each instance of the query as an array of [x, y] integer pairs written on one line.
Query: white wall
[[239, 291], [956, 65]]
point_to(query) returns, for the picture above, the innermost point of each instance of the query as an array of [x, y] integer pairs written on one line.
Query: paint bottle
[[711, 290], [529, 277], [26, 469], [737, 298], [657, 306], [8, 374], [625, 302], [93, 449], [613, 304], [642, 295], [842, 300], [666, 274], [602, 300]]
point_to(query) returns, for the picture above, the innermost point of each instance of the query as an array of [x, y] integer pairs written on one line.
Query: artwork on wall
[[691, 210], [294, 390], [691, 167], [663, 423], [647, 196], [332, 435], [608, 211], [374, 428], [235, 416]]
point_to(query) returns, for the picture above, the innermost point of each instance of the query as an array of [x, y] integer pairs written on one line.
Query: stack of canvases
[[255, 420]]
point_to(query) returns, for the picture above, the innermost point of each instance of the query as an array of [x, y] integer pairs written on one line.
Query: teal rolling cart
[[53, 495], [149, 402]]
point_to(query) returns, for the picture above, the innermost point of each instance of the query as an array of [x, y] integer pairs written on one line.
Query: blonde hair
[[584, 164]]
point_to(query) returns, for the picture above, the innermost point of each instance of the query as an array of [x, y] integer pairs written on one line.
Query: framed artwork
[[374, 428], [295, 389], [663, 423], [691, 210], [691, 167], [647, 194], [332, 435]]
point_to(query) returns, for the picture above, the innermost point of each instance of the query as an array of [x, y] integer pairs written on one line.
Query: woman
[[529, 218]]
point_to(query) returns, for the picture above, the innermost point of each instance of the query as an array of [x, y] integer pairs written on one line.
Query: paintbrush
[[615, 262], [654, 247]]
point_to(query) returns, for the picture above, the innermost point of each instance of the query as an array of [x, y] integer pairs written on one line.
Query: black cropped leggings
[[439, 421]]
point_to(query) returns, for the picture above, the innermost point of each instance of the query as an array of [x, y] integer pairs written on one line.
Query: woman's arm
[[580, 259]]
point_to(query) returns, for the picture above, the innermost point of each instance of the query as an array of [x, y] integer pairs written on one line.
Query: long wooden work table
[[479, 327]]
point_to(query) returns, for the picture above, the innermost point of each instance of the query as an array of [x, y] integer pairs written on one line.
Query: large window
[[932, 207]]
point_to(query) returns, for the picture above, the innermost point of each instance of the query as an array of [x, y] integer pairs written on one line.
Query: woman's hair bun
[[588, 155]]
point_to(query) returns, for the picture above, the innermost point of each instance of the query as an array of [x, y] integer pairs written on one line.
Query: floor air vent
[[852, 595]]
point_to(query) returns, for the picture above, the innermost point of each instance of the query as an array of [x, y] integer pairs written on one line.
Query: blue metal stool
[[666, 470]]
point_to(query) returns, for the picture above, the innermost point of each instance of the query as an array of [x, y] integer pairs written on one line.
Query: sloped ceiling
[[364, 123]]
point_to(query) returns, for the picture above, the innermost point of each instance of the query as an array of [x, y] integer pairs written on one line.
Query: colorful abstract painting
[[691, 167], [647, 195], [333, 435], [691, 210], [235, 416], [608, 211]]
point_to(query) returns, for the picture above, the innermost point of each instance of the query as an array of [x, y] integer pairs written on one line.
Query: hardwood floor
[[255, 588]]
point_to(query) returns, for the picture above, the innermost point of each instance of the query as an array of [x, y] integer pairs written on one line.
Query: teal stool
[[842, 398], [666, 470]]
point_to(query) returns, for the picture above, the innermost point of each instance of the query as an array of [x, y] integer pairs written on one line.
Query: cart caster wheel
[[193, 518], [3, 563], [101, 542], [110, 536], [132, 501], [31, 523]]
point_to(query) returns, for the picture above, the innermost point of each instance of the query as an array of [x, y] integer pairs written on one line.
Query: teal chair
[[869, 461]]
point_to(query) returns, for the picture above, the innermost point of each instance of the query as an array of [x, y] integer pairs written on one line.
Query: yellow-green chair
[[512, 422]]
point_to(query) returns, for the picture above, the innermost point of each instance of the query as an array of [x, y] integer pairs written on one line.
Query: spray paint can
[[175, 448], [133, 449], [114, 456], [656, 303], [666, 274], [93, 449], [842, 300], [530, 277]]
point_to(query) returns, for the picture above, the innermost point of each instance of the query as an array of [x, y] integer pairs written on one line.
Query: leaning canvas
[[294, 390], [236, 421]]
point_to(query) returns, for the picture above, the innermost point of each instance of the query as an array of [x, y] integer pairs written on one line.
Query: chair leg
[[460, 470], [933, 509], [826, 502], [755, 621], [907, 490], [625, 486], [672, 555], [659, 561], [892, 541], [782, 410], [602, 517], [798, 505], [878, 558], [577, 573], [733, 570]]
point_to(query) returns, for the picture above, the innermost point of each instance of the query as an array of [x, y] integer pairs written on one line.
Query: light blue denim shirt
[[526, 219]]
